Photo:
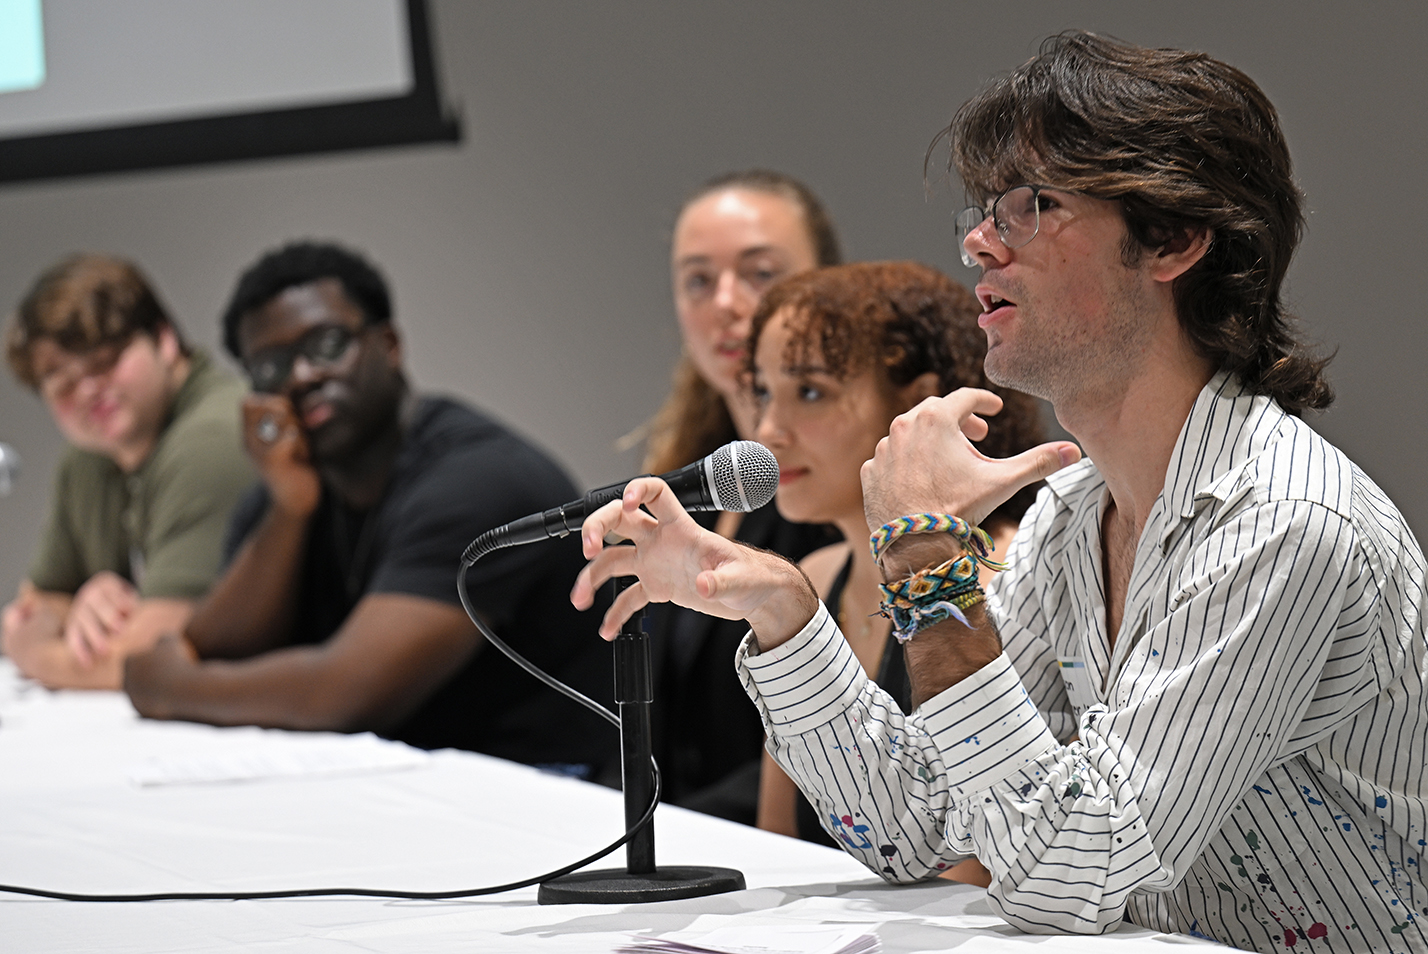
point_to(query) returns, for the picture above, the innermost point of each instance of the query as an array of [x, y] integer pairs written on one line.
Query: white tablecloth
[[95, 799]]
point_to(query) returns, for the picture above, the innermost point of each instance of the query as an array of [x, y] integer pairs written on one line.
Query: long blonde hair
[[694, 420]]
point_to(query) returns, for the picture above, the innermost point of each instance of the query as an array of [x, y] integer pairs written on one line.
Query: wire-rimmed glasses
[[1016, 214]]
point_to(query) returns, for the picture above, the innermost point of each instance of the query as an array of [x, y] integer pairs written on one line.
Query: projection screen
[[90, 86]]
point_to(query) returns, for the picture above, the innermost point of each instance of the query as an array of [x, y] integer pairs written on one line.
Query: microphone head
[[742, 475]]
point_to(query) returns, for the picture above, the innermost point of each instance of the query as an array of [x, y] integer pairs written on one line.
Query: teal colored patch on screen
[[22, 45]]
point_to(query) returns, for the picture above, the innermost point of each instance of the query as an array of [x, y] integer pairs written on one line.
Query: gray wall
[[530, 263]]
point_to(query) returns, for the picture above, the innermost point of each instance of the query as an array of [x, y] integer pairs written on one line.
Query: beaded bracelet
[[931, 596], [975, 541]]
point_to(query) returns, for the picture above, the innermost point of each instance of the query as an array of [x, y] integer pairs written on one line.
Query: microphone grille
[[743, 476]]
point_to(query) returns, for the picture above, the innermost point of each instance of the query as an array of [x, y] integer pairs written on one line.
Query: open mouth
[[991, 301], [992, 304]]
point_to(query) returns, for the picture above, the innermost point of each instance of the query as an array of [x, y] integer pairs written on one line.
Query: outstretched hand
[[677, 561], [927, 463]]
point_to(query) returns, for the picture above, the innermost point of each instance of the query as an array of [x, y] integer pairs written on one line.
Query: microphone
[[739, 477], [9, 469]]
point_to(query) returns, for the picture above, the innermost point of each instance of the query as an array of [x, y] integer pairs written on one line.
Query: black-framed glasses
[[268, 370], [1016, 214]]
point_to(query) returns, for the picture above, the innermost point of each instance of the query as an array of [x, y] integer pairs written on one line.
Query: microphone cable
[[519, 660]]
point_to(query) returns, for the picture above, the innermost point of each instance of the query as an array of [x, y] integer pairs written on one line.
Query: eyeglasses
[[60, 384], [324, 346], [1016, 214]]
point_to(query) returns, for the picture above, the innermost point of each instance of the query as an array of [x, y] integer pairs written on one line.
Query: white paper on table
[[760, 939], [1076, 944], [309, 756]]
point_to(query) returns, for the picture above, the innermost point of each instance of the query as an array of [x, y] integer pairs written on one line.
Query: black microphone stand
[[641, 879]]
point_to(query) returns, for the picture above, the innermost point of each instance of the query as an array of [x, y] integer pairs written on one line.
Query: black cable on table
[[519, 660]]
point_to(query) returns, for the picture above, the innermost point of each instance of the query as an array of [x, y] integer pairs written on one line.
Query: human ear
[[391, 343], [1179, 255], [166, 342], [914, 392]]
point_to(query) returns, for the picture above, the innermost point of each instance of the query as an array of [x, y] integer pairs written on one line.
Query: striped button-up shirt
[[1247, 765]]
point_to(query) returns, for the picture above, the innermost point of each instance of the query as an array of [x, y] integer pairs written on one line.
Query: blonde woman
[[734, 237]]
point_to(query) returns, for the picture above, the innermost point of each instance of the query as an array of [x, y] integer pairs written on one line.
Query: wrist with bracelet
[[938, 593]]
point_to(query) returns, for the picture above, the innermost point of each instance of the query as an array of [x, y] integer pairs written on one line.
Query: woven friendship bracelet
[[931, 596], [976, 541], [906, 622], [940, 582]]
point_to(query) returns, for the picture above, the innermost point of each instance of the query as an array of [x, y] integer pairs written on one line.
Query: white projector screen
[[102, 85]]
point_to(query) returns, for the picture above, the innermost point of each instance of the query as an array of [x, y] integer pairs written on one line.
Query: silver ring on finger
[[267, 429]]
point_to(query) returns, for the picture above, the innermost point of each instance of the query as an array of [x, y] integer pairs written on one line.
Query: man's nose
[[88, 385], [984, 240], [304, 371]]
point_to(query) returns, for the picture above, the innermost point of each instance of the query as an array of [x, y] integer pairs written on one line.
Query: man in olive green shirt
[[141, 498]]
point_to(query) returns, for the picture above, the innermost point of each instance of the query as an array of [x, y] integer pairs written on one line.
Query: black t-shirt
[[457, 475], [708, 738]]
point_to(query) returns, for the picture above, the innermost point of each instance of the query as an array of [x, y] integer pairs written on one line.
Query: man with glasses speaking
[[1195, 698], [141, 496], [338, 609]]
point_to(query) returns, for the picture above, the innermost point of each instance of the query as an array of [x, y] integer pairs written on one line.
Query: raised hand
[[928, 464], [675, 560]]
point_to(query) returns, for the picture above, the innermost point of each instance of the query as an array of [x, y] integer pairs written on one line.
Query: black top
[[458, 474], [892, 677], [708, 738]]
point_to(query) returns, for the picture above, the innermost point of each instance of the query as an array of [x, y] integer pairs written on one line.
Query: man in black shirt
[[338, 609]]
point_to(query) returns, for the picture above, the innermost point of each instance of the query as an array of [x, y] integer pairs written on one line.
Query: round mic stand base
[[619, 886], [640, 879]]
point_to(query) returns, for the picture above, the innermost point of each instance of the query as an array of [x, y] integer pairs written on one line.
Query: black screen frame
[[418, 117]]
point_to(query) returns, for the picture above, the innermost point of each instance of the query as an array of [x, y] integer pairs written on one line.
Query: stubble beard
[[1063, 364]]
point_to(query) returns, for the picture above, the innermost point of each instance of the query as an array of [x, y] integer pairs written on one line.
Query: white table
[[72, 819]]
